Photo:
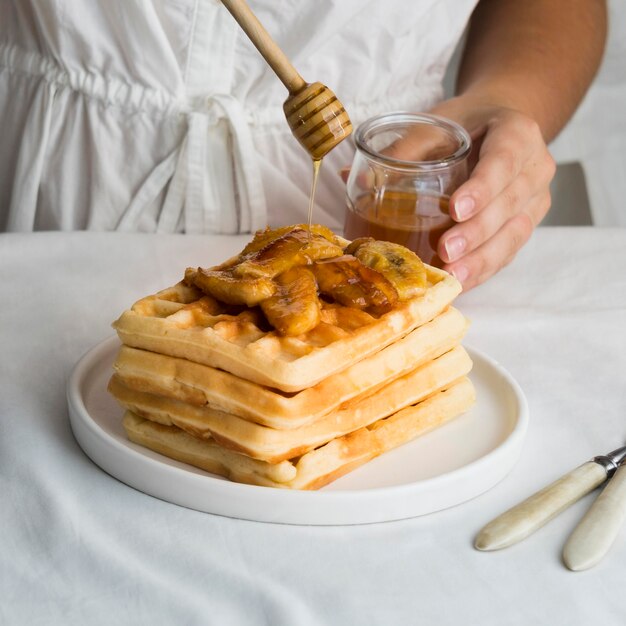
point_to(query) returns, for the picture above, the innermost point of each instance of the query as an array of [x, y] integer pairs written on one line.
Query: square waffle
[[274, 445], [293, 363], [204, 386], [182, 321], [317, 467]]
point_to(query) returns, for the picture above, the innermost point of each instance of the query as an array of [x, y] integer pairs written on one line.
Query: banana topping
[[284, 271], [401, 267]]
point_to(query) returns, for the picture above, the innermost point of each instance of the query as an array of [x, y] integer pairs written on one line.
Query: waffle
[[273, 445], [203, 386], [317, 467], [182, 322], [310, 356]]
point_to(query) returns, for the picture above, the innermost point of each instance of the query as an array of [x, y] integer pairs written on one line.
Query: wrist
[[478, 103]]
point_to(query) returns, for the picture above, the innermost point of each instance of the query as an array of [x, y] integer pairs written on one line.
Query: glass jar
[[405, 168]]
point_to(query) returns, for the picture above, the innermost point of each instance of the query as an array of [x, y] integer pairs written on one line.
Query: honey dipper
[[316, 118]]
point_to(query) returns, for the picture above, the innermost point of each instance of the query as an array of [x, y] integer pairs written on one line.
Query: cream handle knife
[[525, 518], [596, 532]]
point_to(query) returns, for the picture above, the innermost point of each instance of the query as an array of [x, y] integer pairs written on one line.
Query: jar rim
[[389, 120]]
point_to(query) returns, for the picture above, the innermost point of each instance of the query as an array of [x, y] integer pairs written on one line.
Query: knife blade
[[595, 534], [525, 518]]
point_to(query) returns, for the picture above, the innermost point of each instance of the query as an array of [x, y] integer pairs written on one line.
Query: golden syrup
[[317, 164], [415, 220]]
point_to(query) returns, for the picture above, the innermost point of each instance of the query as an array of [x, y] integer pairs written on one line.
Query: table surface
[[79, 547]]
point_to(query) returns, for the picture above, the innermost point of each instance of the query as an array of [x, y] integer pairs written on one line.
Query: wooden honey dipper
[[316, 118]]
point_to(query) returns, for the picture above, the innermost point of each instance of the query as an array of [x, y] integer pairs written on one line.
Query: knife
[[525, 518], [597, 530]]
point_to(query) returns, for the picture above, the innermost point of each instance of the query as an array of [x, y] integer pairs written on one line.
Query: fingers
[[506, 151], [505, 198], [492, 256], [474, 265], [525, 192]]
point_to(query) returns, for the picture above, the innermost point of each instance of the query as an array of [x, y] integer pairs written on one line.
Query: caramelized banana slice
[[294, 308], [355, 244], [403, 268], [225, 287], [264, 237], [353, 284], [296, 247]]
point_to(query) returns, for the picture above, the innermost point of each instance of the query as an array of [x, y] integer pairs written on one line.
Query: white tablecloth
[[79, 547]]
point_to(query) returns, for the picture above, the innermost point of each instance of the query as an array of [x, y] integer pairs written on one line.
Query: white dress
[[159, 115]]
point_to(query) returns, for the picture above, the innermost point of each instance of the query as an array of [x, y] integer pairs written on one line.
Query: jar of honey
[[405, 168]]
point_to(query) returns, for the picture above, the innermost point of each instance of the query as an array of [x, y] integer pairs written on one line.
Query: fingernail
[[463, 207], [455, 247], [460, 272]]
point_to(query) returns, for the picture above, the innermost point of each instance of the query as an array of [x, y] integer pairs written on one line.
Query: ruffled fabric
[[161, 116]]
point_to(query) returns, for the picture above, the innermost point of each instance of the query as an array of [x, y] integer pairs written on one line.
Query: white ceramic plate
[[450, 465]]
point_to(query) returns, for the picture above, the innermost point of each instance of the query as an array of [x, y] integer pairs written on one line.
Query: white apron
[[159, 115]]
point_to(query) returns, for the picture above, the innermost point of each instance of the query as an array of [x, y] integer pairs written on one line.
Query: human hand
[[506, 195]]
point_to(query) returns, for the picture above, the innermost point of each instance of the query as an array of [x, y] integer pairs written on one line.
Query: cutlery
[[596, 532], [525, 518]]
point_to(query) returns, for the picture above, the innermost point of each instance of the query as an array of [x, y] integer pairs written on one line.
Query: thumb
[[421, 142]]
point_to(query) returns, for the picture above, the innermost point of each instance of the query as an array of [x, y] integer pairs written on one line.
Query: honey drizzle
[[317, 164]]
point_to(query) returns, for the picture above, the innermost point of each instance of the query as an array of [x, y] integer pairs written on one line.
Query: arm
[[537, 56], [525, 68]]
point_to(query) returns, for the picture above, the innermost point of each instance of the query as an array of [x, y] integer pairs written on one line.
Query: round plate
[[445, 467]]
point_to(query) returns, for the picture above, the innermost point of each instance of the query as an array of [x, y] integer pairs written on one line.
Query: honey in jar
[[405, 168], [414, 220]]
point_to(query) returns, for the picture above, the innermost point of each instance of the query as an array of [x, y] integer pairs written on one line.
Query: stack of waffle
[[213, 385]]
